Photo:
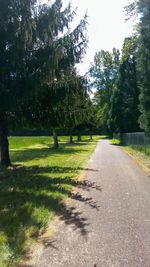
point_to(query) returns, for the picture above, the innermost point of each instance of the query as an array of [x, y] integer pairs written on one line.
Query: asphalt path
[[107, 221]]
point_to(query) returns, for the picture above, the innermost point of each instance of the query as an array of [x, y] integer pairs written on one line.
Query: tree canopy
[[123, 81], [37, 51], [142, 9]]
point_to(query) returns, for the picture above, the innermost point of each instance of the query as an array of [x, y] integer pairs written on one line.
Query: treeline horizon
[[122, 79], [40, 87]]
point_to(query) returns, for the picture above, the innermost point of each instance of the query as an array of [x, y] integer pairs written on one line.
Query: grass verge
[[116, 141], [139, 156], [33, 190], [136, 152]]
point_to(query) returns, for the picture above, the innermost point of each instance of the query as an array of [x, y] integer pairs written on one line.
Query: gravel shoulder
[[106, 223]]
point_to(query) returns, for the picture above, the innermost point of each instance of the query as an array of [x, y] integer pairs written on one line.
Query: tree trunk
[[4, 145], [79, 138], [71, 139], [91, 137], [55, 137]]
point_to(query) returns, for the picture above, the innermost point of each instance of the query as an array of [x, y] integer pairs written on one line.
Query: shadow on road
[[28, 194]]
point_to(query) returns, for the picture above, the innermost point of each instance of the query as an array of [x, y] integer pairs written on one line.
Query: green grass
[[33, 191], [139, 155], [140, 148], [116, 141], [138, 152]]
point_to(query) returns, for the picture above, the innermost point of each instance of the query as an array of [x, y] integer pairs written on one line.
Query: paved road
[[108, 222]]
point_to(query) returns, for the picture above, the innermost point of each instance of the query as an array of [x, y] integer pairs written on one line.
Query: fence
[[138, 141]]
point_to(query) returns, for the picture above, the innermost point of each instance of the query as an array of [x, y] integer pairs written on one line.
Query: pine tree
[[36, 49], [124, 112], [144, 63], [142, 9]]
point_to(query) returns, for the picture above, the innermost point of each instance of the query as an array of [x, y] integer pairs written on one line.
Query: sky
[[106, 26]]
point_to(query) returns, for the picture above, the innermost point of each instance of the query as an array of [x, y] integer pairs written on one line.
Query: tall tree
[[124, 111], [104, 72], [75, 106], [35, 50], [144, 63], [142, 9]]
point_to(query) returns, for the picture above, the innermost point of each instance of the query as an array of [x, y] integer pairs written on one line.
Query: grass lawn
[[33, 190]]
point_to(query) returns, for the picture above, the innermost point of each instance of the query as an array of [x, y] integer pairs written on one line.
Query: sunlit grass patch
[[116, 141], [32, 192]]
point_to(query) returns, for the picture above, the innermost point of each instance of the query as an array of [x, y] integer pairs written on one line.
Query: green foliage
[[142, 9], [35, 49], [79, 109], [102, 108], [144, 63], [123, 97], [64, 107], [104, 69], [124, 112], [38, 51], [117, 97], [139, 152], [104, 72], [115, 141]]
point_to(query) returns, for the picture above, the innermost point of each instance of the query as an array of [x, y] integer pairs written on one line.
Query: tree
[[124, 112], [144, 64], [87, 123], [104, 72], [142, 9], [75, 106], [35, 50]]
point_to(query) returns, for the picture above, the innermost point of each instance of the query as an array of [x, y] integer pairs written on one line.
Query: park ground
[[33, 190], [105, 222]]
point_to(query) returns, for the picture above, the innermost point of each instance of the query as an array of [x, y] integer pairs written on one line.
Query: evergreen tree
[[36, 49], [75, 106], [144, 63], [142, 9], [124, 112]]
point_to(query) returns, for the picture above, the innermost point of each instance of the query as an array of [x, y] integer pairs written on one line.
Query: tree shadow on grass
[[28, 154], [29, 196]]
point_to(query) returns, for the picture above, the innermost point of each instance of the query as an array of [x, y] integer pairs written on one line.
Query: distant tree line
[[39, 85], [122, 80]]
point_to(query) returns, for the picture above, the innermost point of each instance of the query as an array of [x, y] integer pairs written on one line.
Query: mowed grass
[[33, 190]]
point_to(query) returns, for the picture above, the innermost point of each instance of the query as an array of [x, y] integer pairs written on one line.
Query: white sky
[[107, 27]]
